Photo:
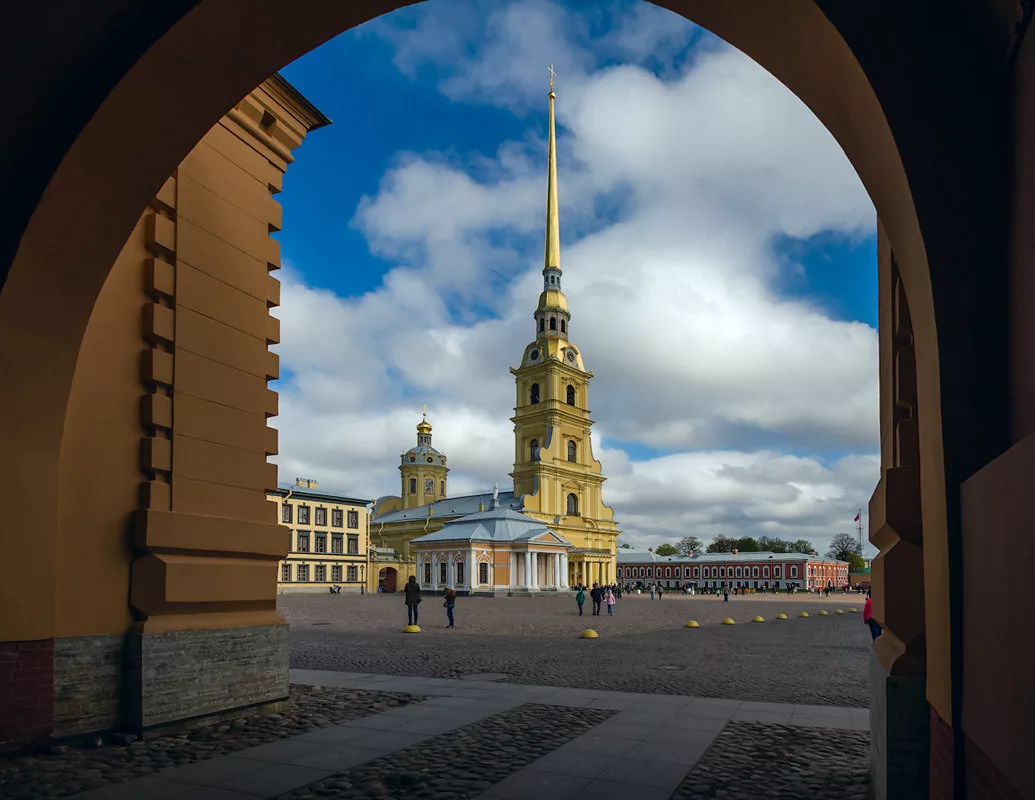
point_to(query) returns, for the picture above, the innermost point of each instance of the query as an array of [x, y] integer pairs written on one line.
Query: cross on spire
[[552, 75]]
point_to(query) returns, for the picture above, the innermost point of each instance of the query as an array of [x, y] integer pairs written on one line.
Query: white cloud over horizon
[[711, 390]]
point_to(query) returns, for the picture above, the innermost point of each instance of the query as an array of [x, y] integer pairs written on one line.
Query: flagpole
[[859, 520]]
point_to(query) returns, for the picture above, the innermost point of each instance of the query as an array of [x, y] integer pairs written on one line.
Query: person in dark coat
[[596, 597], [449, 602], [413, 598]]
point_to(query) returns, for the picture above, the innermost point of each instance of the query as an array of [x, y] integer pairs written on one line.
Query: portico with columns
[[498, 551]]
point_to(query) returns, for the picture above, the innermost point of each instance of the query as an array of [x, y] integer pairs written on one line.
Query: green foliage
[[770, 544], [844, 545], [855, 563], [721, 544], [667, 550], [801, 546]]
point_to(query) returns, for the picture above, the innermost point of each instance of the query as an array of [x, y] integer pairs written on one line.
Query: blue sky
[[719, 258]]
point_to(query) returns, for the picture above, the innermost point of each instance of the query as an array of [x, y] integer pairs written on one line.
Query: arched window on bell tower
[[413, 486], [571, 395], [572, 451], [573, 505], [533, 449], [553, 323], [535, 393], [542, 322]]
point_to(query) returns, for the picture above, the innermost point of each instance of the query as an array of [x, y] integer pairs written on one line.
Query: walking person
[[450, 601], [652, 591], [725, 594], [580, 598], [595, 596], [609, 598], [413, 598], [661, 592], [875, 630]]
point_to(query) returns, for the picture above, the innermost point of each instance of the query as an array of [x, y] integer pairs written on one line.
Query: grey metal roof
[[451, 507], [298, 493], [494, 525], [646, 557], [422, 449]]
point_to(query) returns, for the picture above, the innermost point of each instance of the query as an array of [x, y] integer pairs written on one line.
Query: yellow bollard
[[852, 610], [411, 629], [781, 616], [758, 619], [823, 613], [804, 614], [589, 633], [692, 623], [728, 621], [840, 611]]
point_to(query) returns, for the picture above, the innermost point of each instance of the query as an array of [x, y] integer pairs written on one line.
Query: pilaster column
[[434, 573]]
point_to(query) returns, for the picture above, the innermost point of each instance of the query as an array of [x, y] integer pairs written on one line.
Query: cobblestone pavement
[[67, 770], [820, 660], [750, 760], [462, 763]]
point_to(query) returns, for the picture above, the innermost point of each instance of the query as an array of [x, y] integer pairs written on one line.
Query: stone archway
[[388, 579], [880, 77]]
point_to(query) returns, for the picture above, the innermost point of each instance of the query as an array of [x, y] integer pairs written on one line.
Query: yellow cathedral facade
[[553, 530]]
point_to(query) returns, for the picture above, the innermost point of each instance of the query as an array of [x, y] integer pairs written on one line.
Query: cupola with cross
[[423, 469]]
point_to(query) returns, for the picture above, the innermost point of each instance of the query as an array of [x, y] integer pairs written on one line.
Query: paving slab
[[273, 779]]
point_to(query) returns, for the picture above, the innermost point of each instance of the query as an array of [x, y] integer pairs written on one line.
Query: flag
[[857, 517]]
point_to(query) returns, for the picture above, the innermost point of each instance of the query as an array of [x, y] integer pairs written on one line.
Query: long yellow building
[[328, 540], [557, 481]]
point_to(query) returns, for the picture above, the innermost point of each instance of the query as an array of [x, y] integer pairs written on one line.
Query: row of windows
[[553, 324], [573, 451], [319, 573], [534, 394], [695, 572], [458, 568], [429, 486], [286, 511], [320, 543]]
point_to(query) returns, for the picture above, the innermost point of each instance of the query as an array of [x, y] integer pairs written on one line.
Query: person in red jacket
[[875, 630]]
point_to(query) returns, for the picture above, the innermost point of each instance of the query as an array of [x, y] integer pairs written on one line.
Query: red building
[[732, 570]]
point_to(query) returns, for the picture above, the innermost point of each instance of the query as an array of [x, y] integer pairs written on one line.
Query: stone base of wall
[[899, 735], [318, 590], [88, 681], [184, 675], [942, 757], [26, 692]]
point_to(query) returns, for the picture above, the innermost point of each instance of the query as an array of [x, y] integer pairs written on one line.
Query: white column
[[533, 569], [472, 579], [556, 570], [527, 569], [512, 572], [434, 573]]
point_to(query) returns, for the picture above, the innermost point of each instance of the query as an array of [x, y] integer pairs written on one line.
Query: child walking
[[609, 598]]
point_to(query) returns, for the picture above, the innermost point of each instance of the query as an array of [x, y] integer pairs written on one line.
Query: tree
[[842, 546], [746, 545], [801, 546], [688, 545], [855, 563], [667, 550], [625, 546], [770, 544], [721, 544]]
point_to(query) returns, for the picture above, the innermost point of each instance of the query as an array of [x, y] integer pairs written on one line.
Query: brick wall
[[941, 758], [26, 691]]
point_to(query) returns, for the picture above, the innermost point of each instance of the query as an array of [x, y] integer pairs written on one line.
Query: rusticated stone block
[[181, 675], [87, 683]]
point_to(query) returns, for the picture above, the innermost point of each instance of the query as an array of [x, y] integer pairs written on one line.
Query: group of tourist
[[600, 595], [412, 598]]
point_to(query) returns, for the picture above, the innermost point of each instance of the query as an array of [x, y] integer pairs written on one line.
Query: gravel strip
[[749, 760], [66, 770], [462, 763]]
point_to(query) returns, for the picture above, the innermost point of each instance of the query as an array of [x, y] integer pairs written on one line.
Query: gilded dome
[[424, 426]]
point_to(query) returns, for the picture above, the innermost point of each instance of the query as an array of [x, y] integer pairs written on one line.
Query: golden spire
[[553, 227]]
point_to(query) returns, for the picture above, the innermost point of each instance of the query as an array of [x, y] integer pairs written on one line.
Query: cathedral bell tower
[[423, 470], [554, 466]]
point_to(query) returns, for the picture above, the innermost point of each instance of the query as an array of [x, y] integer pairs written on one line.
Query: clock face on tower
[[570, 355], [533, 356]]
